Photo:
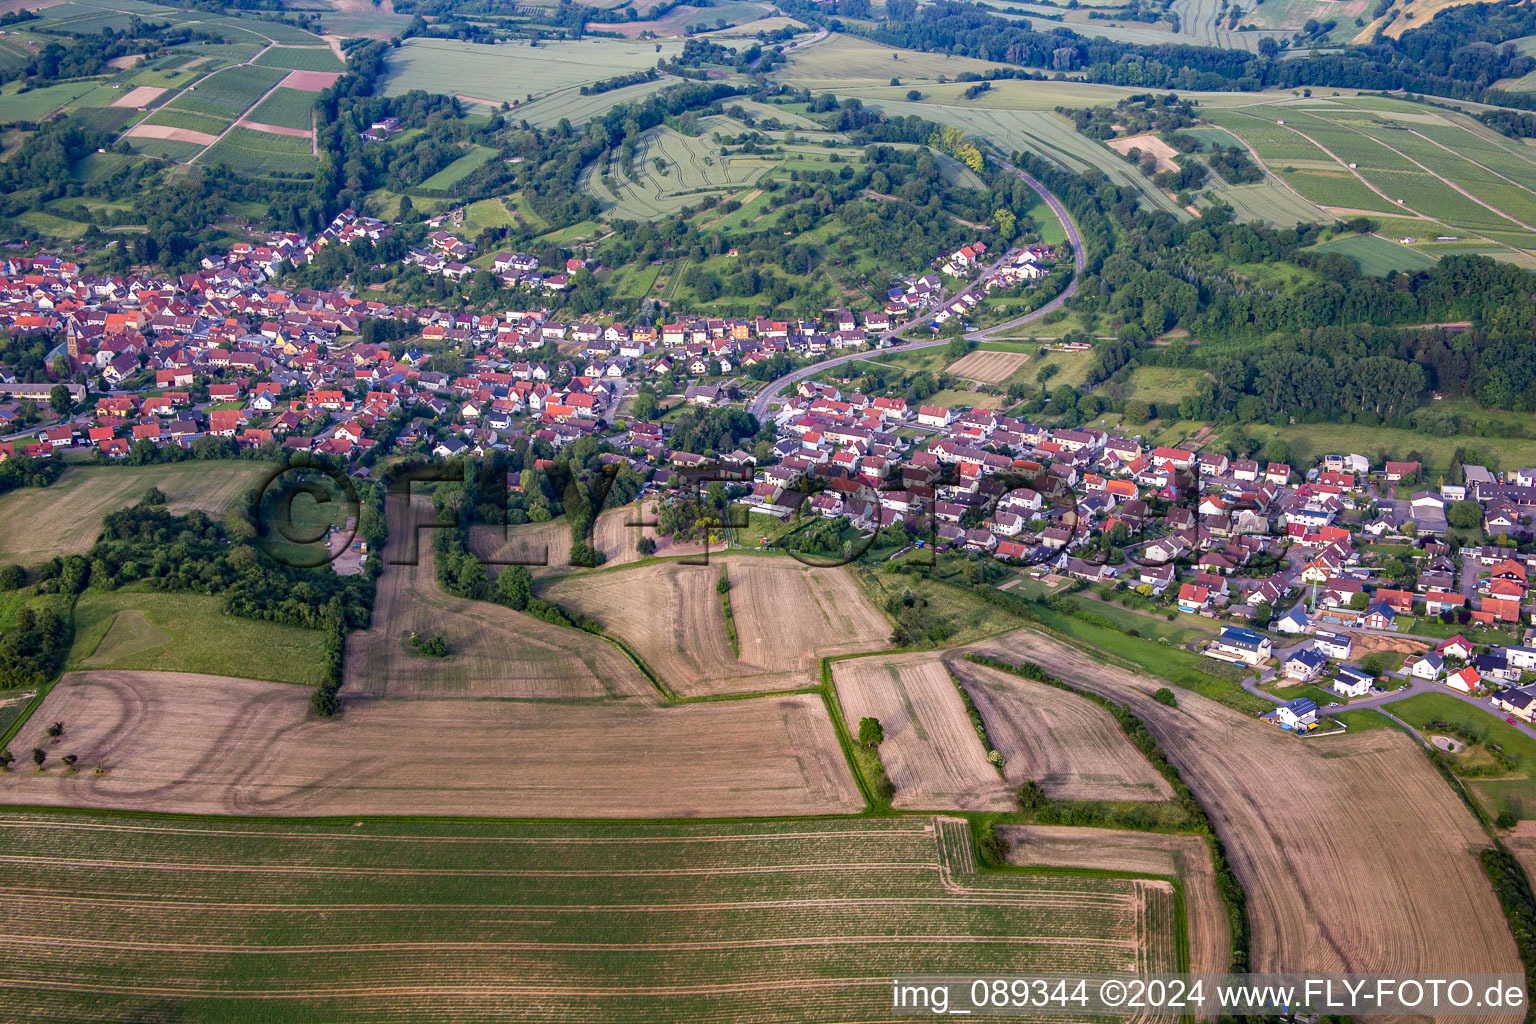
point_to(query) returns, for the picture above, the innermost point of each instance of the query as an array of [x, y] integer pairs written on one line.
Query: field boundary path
[[758, 406]]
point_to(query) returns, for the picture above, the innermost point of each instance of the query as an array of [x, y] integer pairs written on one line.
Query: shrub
[[1165, 696]]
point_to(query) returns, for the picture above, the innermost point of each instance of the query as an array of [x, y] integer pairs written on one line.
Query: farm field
[[301, 58], [183, 743], [229, 93], [533, 921], [988, 367], [1304, 816], [545, 548], [842, 61], [258, 152], [676, 22], [1185, 857], [67, 516], [140, 629], [788, 616], [1375, 255], [493, 651], [1270, 201], [187, 120], [286, 108], [671, 171], [516, 72], [547, 111], [1409, 161], [1069, 745], [930, 751]]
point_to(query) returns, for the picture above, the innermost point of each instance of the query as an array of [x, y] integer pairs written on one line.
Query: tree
[[1165, 696], [55, 730], [645, 403], [1032, 798], [59, 400], [39, 755], [1465, 515], [871, 732], [646, 546], [6, 759], [12, 576], [70, 760], [514, 587], [723, 584]]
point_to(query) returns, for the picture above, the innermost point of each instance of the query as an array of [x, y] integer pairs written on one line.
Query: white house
[[1425, 666], [1244, 645], [1466, 680], [1292, 622], [1334, 645], [1348, 682], [1305, 666], [1300, 713]]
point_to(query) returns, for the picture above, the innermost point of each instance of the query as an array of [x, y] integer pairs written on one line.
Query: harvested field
[[545, 548], [1073, 748], [1148, 144], [158, 918], [788, 616], [311, 81], [930, 752], [493, 651], [160, 131], [988, 367], [73, 507], [183, 743], [1316, 818], [1184, 856], [141, 96]]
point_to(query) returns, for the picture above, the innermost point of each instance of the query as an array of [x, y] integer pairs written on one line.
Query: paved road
[[758, 406], [1413, 689], [821, 33]]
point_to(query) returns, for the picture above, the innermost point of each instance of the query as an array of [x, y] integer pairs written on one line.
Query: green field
[[1162, 385], [150, 630], [1439, 165], [690, 167], [1376, 255], [37, 104], [286, 108], [65, 517], [1317, 439], [1515, 791], [223, 919], [459, 170], [301, 58], [253, 152], [168, 149], [229, 93], [514, 72], [175, 118], [845, 60]]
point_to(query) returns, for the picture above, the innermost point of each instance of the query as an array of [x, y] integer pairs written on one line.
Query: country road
[[758, 406]]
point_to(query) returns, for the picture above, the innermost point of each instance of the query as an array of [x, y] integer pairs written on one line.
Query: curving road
[[758, 406]]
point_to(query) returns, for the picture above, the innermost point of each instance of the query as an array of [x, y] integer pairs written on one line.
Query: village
[[1281, 559]]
